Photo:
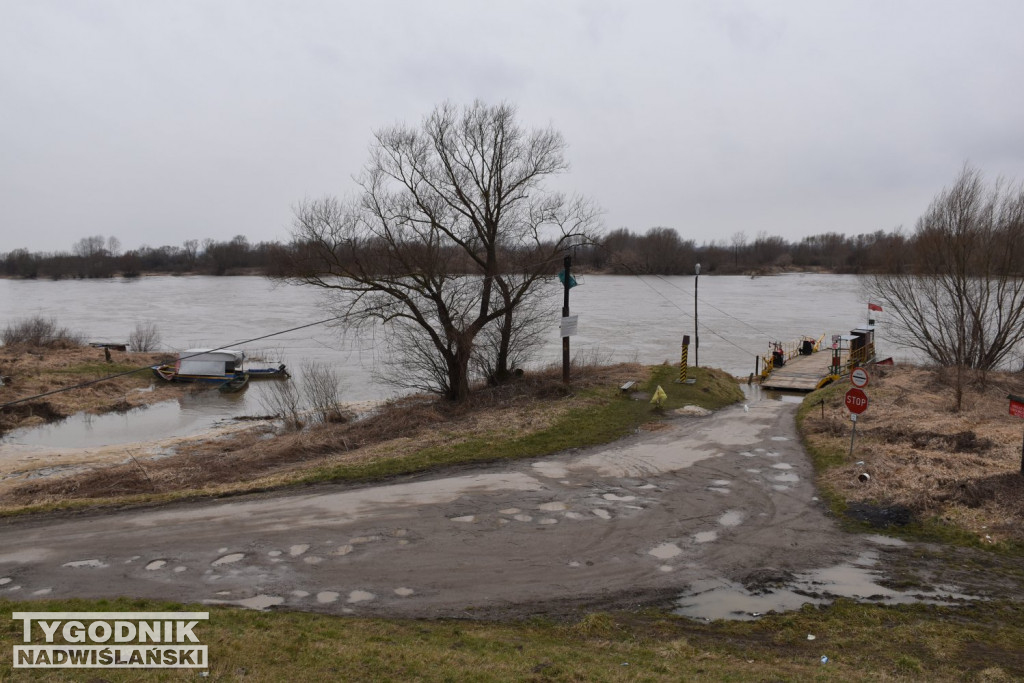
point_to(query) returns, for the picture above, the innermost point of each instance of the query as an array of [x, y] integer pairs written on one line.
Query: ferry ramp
[[801, 373]]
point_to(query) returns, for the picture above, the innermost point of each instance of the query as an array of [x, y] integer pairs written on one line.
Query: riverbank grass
[[607, 414], [538, 418], [919, 469], [921, 643]]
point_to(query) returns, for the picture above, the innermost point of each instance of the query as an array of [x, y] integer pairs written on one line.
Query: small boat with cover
[[214, 366]]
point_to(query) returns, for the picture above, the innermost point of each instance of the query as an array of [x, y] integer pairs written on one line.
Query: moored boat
[[267, 371], [235, 384], [203, 365]]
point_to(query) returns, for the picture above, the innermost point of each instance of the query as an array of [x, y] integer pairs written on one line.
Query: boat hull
[[169, 374]]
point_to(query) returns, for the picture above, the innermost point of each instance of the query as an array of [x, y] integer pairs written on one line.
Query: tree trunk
[[458, 373], [502, 371]]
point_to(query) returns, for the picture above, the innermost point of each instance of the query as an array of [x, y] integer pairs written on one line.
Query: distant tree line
[[662, 251], [99, 257], [659, 251]]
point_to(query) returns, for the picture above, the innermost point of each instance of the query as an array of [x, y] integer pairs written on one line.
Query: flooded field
[[622, 318]]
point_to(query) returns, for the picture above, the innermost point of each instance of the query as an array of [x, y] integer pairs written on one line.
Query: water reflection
[[720, 598]]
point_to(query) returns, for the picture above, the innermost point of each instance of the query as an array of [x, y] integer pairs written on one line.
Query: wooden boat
[[116, 346], [235, 384], [267, 371]]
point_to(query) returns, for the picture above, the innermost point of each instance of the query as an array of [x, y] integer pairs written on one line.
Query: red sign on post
[[1016, 408], [856, 401], [859, 377]]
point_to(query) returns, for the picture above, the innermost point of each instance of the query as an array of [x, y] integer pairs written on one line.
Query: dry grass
[[248, 459], [962, 468], [29, 371]]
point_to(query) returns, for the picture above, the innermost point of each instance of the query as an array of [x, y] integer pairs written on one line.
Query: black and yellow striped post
[[683, 361]]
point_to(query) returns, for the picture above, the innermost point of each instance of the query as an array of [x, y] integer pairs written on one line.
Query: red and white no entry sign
[[859, 377], [856, 401]]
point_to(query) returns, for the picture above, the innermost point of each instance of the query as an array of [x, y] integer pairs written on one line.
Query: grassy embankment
[[32, 370], [535, 418], [862, 643], [935, 474]]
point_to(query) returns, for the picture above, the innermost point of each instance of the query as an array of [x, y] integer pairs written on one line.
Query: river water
[[621, 318]]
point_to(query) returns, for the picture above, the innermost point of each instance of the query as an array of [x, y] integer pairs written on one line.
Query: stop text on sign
[[856, 401]]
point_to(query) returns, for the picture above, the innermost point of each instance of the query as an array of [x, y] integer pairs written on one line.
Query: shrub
[[145, 337], [41, 332]]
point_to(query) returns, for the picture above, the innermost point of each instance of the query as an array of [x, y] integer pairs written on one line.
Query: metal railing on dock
[[787, 351]]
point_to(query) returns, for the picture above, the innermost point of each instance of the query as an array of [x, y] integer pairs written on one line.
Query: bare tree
[[190, 250], [739, 243], [145, 337], [322, 389], [282, 400], [962, 304], [451, 231], [90, 247]]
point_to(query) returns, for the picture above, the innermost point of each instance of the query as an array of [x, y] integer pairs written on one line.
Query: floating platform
[[802, 373], [807, 364]]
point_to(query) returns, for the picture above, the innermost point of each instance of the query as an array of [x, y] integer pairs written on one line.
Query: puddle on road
[[754, 392], [711, 599], [731, 518], [257, 602], [705, 537], [665, 551], [95, 564]]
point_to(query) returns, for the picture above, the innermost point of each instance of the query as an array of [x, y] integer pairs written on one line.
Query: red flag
[[874, 307]]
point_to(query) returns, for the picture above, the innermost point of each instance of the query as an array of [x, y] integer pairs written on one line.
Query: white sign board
[[569, 325], [859, 377]]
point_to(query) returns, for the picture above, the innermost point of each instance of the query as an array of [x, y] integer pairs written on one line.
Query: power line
[[147, 367], [686, 313], [739, 320]]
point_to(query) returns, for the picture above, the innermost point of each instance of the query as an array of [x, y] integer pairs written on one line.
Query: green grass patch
[[608, 415], [862, 643]]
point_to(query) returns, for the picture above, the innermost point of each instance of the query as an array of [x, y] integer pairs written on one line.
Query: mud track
[[708, 501]]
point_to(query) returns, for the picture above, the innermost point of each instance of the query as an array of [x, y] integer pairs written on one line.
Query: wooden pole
[[683, 360], [696, 331], [567, 262]]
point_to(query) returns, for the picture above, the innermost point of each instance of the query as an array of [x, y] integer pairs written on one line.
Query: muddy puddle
[[766, 591], [186, 416]]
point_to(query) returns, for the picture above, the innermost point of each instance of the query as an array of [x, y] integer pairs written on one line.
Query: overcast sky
[[161, 121]]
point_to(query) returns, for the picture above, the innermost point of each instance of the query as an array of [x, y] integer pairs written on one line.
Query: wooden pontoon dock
[[806, 365], [802, 373]]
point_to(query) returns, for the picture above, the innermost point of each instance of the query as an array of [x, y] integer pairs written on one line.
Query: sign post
[[1017, 410], [567, 283], [859, 377], [683, 361], [856, 402]]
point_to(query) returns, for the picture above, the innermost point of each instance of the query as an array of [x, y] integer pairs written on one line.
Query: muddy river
[[621, 318]]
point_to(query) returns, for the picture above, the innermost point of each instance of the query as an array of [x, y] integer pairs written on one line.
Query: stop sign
[[856, 401]]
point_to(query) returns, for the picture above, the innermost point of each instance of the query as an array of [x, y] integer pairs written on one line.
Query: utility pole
[[696, 334], [567, 262]]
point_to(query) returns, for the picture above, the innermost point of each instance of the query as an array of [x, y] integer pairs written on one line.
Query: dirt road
[[706, 501]]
